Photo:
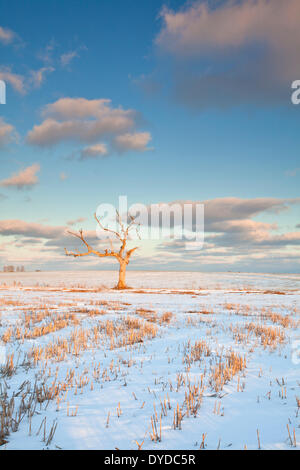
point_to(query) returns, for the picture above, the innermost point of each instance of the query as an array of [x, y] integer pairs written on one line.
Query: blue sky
[[210, 119]]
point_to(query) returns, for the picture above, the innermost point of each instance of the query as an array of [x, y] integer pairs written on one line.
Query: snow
[[120, 388]]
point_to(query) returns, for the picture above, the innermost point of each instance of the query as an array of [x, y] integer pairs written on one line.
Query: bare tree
[[122, 236]]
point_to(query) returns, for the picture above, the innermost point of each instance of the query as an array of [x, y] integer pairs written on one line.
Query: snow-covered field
[[180, 361]]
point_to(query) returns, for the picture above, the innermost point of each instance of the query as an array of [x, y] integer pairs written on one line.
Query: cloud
[[15, 80], [43, 245], [237, 52], [80, 119], [66, 59], [46, 54], [6, 35], [6, 132], [231, 25], [257, 259], [28, 229], [94, 151], [79, 108], [286, 239], [229, 225], [51, 237], [137, 141], [254, 237], [63, 176], [233, 208], [150, 84], [230, 230], [76, 221], [25, 179], [244, 227], [38, 76], [83, 120], [293, 172], [220, 210], [34, 79], [30, 241], [233, 240]]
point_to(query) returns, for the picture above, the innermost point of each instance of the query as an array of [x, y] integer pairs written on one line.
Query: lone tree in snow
[[122, 236]]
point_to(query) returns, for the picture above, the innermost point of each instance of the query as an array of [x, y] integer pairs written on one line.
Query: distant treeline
[[13, 269]]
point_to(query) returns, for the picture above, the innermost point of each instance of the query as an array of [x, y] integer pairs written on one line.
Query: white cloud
[[25, 179]]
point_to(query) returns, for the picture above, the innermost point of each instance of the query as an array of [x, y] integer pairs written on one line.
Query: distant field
[[180, 361]]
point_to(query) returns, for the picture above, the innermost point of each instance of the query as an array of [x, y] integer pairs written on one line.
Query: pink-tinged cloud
[[66, 58], [63, 176], [94, 151], [29, 229], [242, 226], [229, 224], [79, 108], [137, 141], [6, 132], [234, 208], [286, 239], [38, 76], [76, 221], [25, 179], [249, 48], [15, 80], [6, 35], [79, 119], [234, 23]]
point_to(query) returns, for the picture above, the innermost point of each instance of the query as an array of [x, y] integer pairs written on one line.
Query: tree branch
[[107, 229], [123, 239], [90, 249], [129, 253]]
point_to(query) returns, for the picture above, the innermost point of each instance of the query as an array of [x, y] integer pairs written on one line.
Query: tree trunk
[[122, 273]]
